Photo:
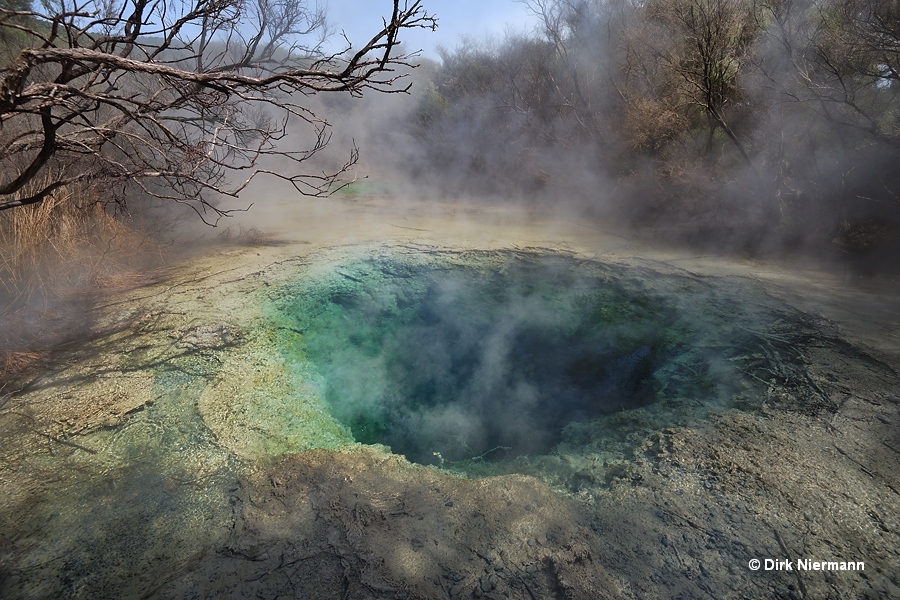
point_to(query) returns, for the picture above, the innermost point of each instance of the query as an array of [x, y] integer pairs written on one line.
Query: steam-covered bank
[[189, 449]]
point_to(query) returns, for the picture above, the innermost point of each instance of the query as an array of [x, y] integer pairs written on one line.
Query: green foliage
[[15, 5], [12, 40], [432, 107]]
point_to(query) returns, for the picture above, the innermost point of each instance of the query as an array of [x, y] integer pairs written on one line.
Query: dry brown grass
[[14, 362], [54, 257]]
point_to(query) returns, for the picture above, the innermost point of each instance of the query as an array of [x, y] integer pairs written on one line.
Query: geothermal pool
[[464, 403], [467, 360], [446, 363]]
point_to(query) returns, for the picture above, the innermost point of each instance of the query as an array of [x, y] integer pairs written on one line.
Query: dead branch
[[171, 101]]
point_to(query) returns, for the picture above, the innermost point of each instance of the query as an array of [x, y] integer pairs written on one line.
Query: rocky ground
[[158, 459]]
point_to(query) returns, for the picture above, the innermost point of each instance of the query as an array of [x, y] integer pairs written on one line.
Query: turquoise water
[[493, 357]]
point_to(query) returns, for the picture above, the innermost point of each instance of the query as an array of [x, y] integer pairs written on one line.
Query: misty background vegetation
[[757, 124]]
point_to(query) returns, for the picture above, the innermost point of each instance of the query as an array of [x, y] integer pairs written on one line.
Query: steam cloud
[[463, 363], [608, 109]]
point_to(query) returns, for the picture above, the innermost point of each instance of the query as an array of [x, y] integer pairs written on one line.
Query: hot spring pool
[[459, 360], [234, 433]]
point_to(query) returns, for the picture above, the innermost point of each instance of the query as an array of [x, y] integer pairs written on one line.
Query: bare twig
[[171, 101]]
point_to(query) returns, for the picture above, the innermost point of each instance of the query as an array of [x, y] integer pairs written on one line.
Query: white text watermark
[[805, 564]]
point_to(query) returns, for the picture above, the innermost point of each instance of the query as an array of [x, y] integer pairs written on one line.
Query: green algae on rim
[[487, 361]]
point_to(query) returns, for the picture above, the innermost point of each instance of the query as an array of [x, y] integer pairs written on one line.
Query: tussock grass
[[55, 257]]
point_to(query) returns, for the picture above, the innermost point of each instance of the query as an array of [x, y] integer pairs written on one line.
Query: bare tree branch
[[172, 98]]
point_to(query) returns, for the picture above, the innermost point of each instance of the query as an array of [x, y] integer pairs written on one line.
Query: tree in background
[[173, 99], [712, 39], [827, 71], [762, 121]]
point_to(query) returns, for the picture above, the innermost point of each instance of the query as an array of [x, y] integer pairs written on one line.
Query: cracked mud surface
[[370, 525], [160, 459]]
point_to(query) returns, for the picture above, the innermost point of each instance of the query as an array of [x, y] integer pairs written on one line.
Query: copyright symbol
[[754, 564]]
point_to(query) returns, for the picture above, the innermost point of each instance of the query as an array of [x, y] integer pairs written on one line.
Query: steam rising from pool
[[491, 357]]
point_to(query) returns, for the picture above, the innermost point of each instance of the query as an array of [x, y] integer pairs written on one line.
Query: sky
[[362, 18]]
